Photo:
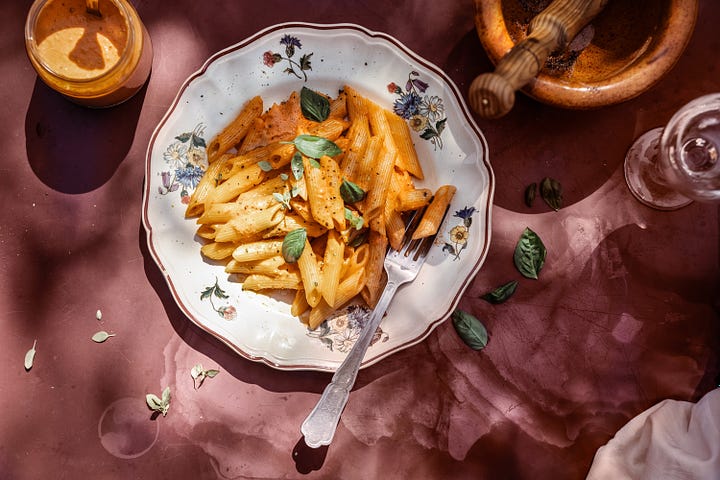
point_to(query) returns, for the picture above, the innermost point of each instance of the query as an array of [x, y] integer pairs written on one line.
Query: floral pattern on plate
[[425, 113], [187, 162], [295, 67]]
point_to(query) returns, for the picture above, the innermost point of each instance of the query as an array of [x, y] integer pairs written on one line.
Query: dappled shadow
[[74, 149]]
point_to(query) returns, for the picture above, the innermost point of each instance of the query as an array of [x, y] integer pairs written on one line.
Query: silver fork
[[402, 266]]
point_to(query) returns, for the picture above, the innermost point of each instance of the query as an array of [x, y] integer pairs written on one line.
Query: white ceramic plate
[[273, 63]]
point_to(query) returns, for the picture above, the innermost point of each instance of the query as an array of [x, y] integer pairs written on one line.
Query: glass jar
[[93, 60]]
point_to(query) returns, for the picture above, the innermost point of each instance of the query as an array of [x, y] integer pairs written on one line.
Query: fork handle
[[319, 427]]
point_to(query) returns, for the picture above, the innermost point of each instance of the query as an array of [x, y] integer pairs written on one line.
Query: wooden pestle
[[492, 95]]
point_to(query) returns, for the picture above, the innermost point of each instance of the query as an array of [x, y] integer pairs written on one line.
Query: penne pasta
[[433, 216], [231, 135], [339, 213]]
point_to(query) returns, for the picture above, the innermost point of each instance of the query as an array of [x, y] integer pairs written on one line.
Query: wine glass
[[669, 167]]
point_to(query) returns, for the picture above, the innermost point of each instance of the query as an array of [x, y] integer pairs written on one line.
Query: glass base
[[640, 174]]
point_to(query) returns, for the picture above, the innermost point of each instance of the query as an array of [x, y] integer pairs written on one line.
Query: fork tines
[[421, 246]]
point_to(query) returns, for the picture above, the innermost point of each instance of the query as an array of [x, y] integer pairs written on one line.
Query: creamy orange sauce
[[77, 44]]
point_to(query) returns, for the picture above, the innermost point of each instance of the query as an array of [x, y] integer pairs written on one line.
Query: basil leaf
[[293, 245], [551, 192], [101, 336], [153, 402], [470, 330], [264, 165], [529, 256], [351, 192], [502, 293], [316, 147], [355, 220], [166, 397], [296, 166], [530, 193], [30, 357], [313, 105]]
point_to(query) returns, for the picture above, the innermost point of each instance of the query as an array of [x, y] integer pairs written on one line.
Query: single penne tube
[[332, 266], [240, 161], [331, 128], [220, 213], [323, 188], [218, 250], [310, 274], [433, 216], [359, 135], [236, 130], [241, 182], [414, 199], [292, 221], [407, 158], [265, 266], [355, 101], [394, 228], [286, 280], [378, 190], [208, 182], [338, 106], [250, 225], [207, 231], [362, 174], [374, 268], [257, 250], [299, 304]]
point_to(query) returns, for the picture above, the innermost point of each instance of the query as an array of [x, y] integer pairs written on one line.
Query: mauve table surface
[[625, 313]]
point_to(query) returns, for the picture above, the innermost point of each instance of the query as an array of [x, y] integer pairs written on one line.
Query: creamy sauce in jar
[[93, 60]]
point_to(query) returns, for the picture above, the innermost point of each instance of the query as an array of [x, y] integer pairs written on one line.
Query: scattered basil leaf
[[530, 252], [296, 166], [470, 330], [264, 165], [355, 220], [283, 199], [313, 105], [98, 315], [30, 357], [359, 239], [351, 192], [159, 405], [293, 245], [502, 293], [551, 192], [530, 192], [101, 336], [316, 147], [199, 374]]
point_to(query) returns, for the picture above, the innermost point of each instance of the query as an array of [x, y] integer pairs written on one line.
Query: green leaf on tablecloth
[[30, 357], [530, 193], [470, 329], [530, 253], [551, 192], [501, 293], [101, 336]]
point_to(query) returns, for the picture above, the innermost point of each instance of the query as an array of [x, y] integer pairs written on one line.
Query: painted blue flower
[[407, 105], [289, 40], [189, 176], [465, 213]]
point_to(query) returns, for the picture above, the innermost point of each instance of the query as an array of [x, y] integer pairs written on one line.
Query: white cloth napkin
[[672, 440]]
